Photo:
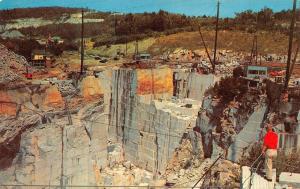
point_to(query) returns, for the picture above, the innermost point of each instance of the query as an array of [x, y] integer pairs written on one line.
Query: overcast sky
[[188, 7]]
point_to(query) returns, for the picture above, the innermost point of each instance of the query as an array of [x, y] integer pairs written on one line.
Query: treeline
[[25, 47], [67, 30], [116, 28], [149, 22], [40, 12], [264, 19]]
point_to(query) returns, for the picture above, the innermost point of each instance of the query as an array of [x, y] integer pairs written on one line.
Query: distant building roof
[[257, 67], [144, 54]]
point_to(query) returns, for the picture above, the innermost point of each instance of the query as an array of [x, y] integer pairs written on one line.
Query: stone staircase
[[256, 181]]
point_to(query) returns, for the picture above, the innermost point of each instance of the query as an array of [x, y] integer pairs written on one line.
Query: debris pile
[[11, 66], [66, 87], [123, 173], [185, 159], [227, 60], [224, 174], [183, 55]]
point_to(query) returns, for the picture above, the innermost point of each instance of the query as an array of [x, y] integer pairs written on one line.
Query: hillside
[[268, 43]]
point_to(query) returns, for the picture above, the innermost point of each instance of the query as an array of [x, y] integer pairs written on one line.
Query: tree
[[266, 18]]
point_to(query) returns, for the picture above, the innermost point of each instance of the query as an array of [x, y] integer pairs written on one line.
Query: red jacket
[[271, 140]]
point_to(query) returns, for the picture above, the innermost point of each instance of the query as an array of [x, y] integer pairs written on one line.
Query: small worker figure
[[269, 150]]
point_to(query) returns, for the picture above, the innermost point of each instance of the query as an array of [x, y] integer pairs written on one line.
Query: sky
[[228, 8]]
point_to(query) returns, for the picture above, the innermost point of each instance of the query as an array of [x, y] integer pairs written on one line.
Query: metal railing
[[288, 141]]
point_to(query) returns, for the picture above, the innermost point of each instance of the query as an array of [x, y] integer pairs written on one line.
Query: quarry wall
[[146, 119]]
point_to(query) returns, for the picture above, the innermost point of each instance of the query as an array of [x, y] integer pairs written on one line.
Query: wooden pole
[[252, 50], [291, 37], [126, 47], [256, 53], [216, 35], [294, 60], [82, 42], [206, 50], [115, 24]]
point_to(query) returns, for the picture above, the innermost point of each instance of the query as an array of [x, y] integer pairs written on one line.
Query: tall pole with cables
[[82, 42], [216, 36], [291, 37]]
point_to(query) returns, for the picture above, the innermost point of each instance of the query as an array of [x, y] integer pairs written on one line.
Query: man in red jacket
[[269, 150]]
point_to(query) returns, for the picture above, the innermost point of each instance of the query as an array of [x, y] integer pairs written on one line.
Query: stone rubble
[[11, 66], [227, 60]]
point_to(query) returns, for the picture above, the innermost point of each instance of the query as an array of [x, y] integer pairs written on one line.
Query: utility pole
[[216, 36], [82, 42], [126, 48], [136, 47], [206, 50], [291, 37], [255, 38], [256, 53], [115, 24], [294, 60]]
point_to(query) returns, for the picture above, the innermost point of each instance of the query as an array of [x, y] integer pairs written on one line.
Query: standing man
[[269, 150]]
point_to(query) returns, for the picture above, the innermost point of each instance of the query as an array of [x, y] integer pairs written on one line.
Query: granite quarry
[[174, 120]]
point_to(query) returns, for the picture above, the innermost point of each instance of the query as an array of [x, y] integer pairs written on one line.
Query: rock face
[[248, 135], [74, 153], [91, 88], [152, 81], [138, 125], [7, 105], [10, 132], [192, 85], [53, 98], [149, 129]]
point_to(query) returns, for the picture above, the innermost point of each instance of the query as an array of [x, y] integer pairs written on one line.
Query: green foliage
[[159, 22], [230, 88], [238, 72], [25, 47], [265, 19], [66, 31], [40, 12]]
